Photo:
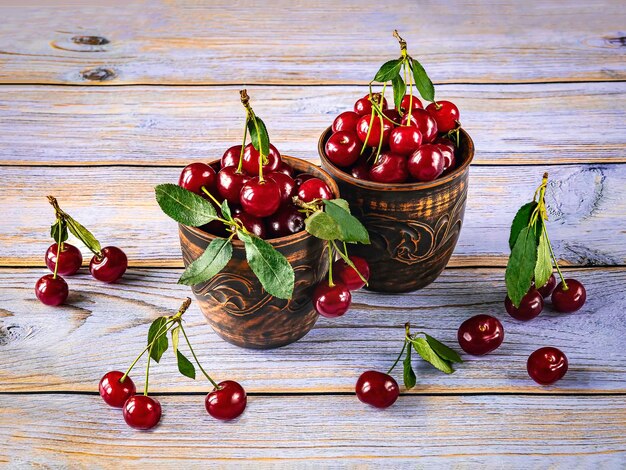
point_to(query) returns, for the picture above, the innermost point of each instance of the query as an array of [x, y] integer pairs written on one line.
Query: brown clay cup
[[234, 302], [413, 227]]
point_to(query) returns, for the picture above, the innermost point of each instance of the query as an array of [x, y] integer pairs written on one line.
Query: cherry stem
[[196, 359], [243, 144], [245, 101], [145, 387], [330, 264], [398, 358], [556, 264], [217, 203], [369, 130], [410, 74], [59, 248], [401, 41], [61, 214]]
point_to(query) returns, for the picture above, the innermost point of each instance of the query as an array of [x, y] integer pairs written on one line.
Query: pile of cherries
[[403, 145]]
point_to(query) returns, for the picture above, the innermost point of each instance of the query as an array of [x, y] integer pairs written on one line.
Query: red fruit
[[260, 198], [70, 261], [331, 301], [343, 148], [142, 412], [445, 113], [404, 140], [570, 299], [229, 184], [346, 274], [286, 184], [414, 101], [231, 156], [364, 105], [287, 221], [480, 335], [361, 170], [547, 365], [346, 121], [196, 175], [548, 287], [284, 169], [447, 142], [110, 265], [301, 178], [449, 162], [51, 291], [314, 188], [377, 389], [530, 306], [426, 163], [226, 402], [251, 223], [377, 128], [251, 160], [391, 168], [393, 115], [424, 122], [113, 392]]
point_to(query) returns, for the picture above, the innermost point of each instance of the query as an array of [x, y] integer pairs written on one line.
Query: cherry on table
[[331, 301], [426, 163], [231, 156], [445, 113], [375, 128], [314, 188], [424, 122], [227, 401], [346, 121], [260, 198], [302, 177], [404, 140], [377, 389], [569, 299], [110, 265], [252, 224], [363, 106], [196, 175], [346, 274], [113, 392], [547, 365], [548, 287], [142, 412], [391, 168], [286, 221], [70, 261], [51, 291], [343, 148], [251, 160], [530, 306], [286, 184], [480, 335], [229, 184], [410, 102]]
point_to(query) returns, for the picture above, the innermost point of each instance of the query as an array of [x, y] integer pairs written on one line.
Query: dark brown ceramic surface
[[234, 302], [413, 227]]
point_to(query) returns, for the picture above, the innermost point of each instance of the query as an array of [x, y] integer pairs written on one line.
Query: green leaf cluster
[[432, 351]]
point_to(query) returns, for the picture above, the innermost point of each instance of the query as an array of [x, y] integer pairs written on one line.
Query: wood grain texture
[[587, 204], [308, 42], [510, 124], [330, 431], [103, 327]]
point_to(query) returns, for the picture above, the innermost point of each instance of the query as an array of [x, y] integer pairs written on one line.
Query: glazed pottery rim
[[275, 242], [415, 186]]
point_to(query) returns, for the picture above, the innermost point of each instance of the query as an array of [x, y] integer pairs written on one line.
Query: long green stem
[[556, 263], [330, 264], [145, 387], [59, 249], [196, 359], [243, 144], [346, 258], [398, 358], [167, 325]]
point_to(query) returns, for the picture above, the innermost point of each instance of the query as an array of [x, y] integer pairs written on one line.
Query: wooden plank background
[[101, 101]]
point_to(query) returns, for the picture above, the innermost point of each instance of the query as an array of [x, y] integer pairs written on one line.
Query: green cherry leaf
[[226, 210], [185, 366], [58, 231], [409, 374], [442, 350], [322, 225], [399, 90], [260, 138], [521, 266], [422, 81], [175, 337], [388, 70], [160, 344], [84, 235], [212, 261], [184, 206], [270, 267], [352, 230], [543, 268], [343, 204], [424, 349], [521, 220]]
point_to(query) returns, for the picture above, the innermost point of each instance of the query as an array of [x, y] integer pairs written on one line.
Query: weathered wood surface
[[330, 431], [587, 207], [510, 124], [103, 327], [309, 42]]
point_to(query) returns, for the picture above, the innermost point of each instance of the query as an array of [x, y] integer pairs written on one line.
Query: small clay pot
[[413, 227], [234, 302]]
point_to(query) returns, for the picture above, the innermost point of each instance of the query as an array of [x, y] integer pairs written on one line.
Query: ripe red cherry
[[314, 188], [377, 128], [142, 412], [424, 122], [363, 106], [393, 115], [570, 299], [110, 265], [196, 175], [426, 163], [51, 291], [391, 168], [301, 178], [251, 160], [377, 389], [346, 274], [548, 287], [251, 223], [286, 184], [343, 148], [404, 140], [445, 113], [415, 103], [229, 184], [331, 301], [346, 121], [226, 402], [361, 170], [447, 142], [260, 198], [547, 365], [284, 169], [113, 392], [480, 335], [286, 221], [530, 306], [231, 156], [70, 261]]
